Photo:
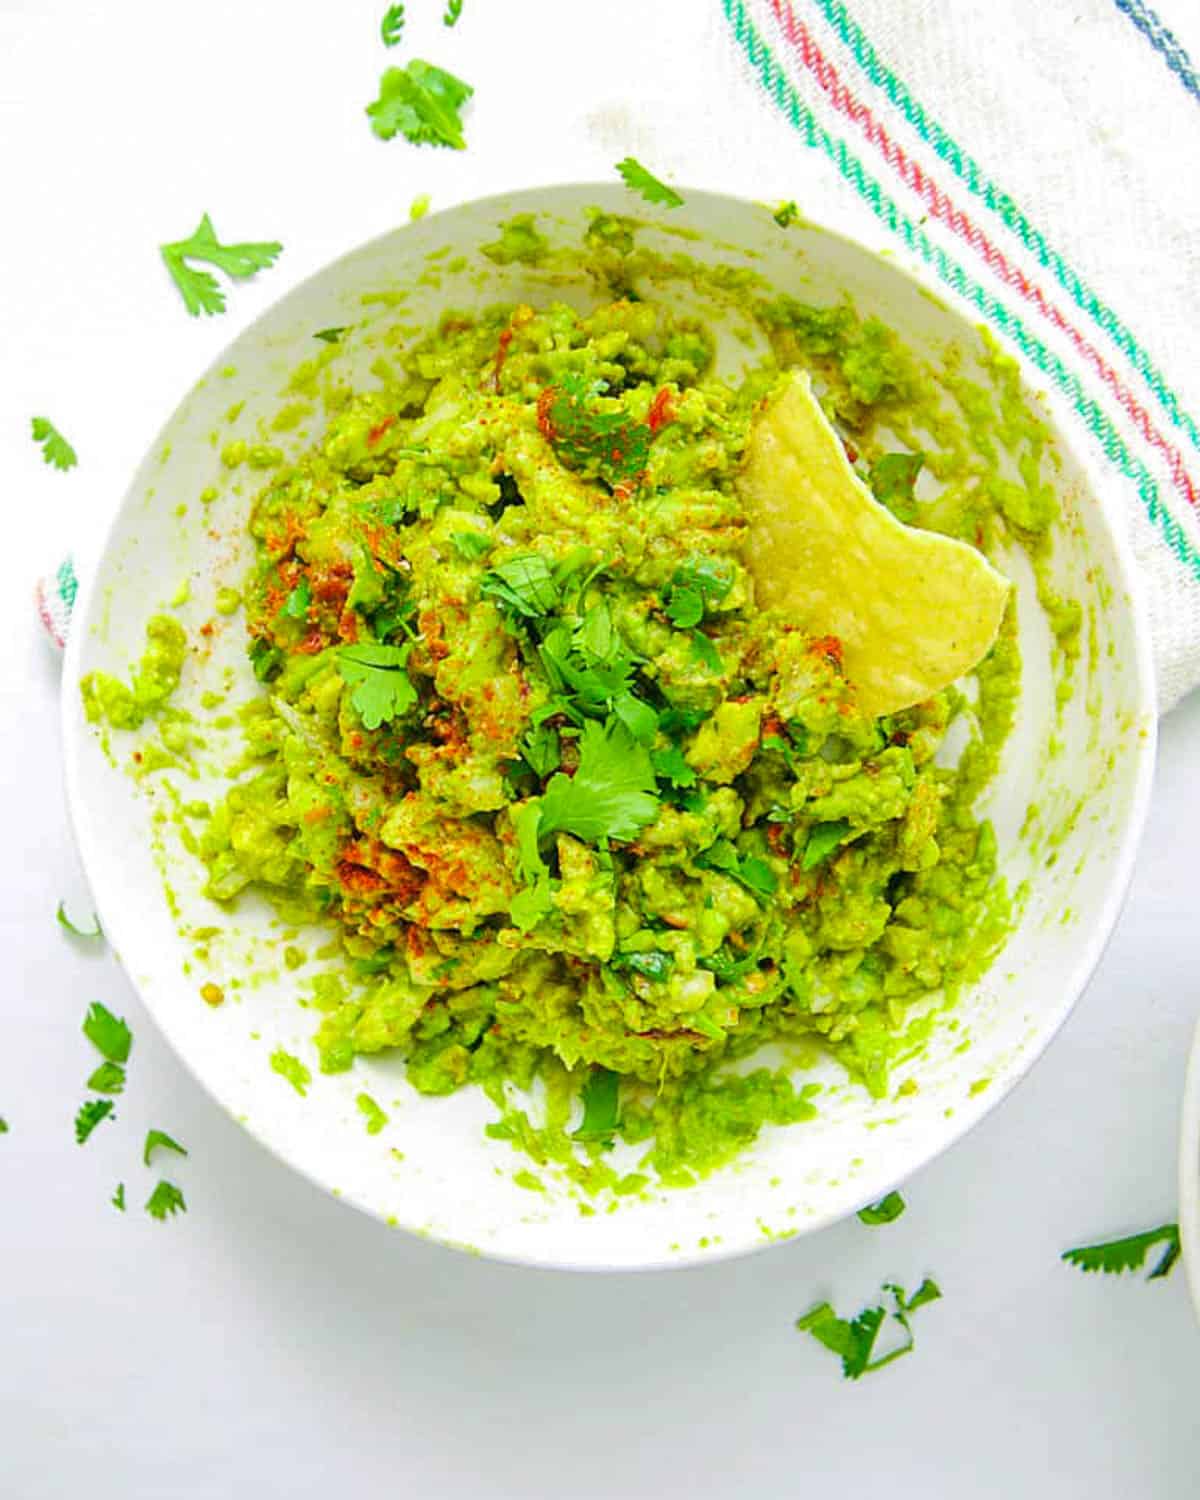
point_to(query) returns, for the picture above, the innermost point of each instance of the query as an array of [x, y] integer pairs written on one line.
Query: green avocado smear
[[581, 811]]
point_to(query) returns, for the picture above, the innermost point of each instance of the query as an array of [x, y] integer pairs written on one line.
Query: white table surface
[[273, 1342]]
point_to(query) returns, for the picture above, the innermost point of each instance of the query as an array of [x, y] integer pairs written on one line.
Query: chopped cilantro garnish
[[391, 27], [375, 1117], [637, 716], [166, 1199], [330, 335], [160, 1138], [754, 873], [3, 1125], [651, 963], [823, 839], [524, 584], [471, 544], [888, 1208], [452, 13], [298, 602], [639, 180], [685, 608], [611, 794], [696, 585], [55, 448], [380, 687], [1115, 1256], [80, 932], [108, 1078], [421, 102], [118, 1198], [267, 660], [854, 1339], [199, 289], [706, 652], [541, 750], [669, 765], [292, 1069], [601, 1096], [89, 1116], [109, 1034], [786, 214], [593, 439]]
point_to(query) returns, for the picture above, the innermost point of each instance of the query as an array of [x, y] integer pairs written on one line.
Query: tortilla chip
[[913, 610]]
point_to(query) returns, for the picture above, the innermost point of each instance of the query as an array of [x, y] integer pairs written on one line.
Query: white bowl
[[453, 1184], [1189, 1174]]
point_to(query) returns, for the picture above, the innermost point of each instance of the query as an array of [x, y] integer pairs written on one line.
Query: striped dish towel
[[1041, 161]]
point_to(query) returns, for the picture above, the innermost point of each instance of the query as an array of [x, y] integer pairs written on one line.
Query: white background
[[274, 1343]]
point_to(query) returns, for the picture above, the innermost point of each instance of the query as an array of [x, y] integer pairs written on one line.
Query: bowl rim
[[1189, 1174], [1100, 489]]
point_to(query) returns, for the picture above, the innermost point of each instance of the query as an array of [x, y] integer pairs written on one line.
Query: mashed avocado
[[581, 809]]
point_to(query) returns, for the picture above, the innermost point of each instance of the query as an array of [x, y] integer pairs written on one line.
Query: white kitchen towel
[[1037, 161]]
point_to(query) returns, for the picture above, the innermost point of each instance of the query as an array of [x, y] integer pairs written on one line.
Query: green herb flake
[[1114, 1257], [524, 585], [601, 1096], [159, 1139], [56, 451], [331, 335], [823, 839], [640, 181], [471, 544], [292, 1069], [109, 1034], [611, 795], [391, 27], [165, 1200], [298, 602], [89, 1116], [589, 437], [421, 102], [452, 12], [885, 1211], [375, 1117], [854, 1339], [67, 925], [109, 1078], [118, 1198], [199, 289], [786, 214], [380, 687]]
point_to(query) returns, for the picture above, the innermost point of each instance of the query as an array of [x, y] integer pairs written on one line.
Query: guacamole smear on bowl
[[587, 806]]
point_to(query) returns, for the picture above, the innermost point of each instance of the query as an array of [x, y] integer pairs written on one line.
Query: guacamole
[[581, 809]]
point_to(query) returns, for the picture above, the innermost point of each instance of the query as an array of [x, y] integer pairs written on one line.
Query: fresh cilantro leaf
[[421, 102], [527, 821], [669, 765], [638, 717], [854, 1339], [883, 1212], [376, 1118], [676, 722], [453, 11], [710, 577], [3, 1125], [892, 479], [471, 544], [166, 1199], [611, 795], [292, 1069], [651, 963], [108, 1078], [601, 1096], [68, 926], [523, 584], [392, 26], [786, 214], [726, 967], [528, 907], [704, 651], [199, 289], [823, 839], [592, 439], [380, 687], [298, 602], [109, 1035], [331, 335], [55, 448], [541, 750], [685, 608], [754, 873], [89, 1116], [645, 183], [1129, 1254], [157, 1138], [267, 660], [118, 1198]]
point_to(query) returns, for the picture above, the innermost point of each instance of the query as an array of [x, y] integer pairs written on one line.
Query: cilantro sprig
[[644, 183], [854, 1339], [423, 103], [1114, 1257], [56, 451], [199, 289], [380, 688], [612, 793]]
